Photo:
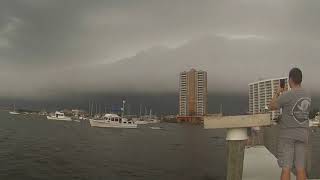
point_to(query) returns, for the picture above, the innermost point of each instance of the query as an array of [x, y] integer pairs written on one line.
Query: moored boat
[[59, 116], [14, 112], [112, 121]]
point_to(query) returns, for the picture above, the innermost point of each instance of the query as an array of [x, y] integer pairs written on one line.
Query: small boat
[[14, 112], [155, 128], [139, 121], [315, 122], [154, 121], [145, 121], [113, 121], [43, 113], [81, 118], [59, 116]]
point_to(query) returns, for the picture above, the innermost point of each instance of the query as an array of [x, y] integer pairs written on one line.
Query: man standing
[[294, 126]]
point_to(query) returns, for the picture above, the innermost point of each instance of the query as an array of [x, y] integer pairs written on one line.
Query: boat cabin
[[58, 114], [116, 119]]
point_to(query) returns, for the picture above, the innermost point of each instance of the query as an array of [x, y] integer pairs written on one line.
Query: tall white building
[[261, 93], [193, 93]]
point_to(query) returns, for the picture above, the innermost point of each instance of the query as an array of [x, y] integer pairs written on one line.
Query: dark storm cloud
[[45, 45]]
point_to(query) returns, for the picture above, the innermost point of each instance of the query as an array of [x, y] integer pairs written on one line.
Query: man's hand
[[273, 104], [279, 91]]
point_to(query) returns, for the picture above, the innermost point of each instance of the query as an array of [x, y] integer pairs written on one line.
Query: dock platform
[[260, 164]]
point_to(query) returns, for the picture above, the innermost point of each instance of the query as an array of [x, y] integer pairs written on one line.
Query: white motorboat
[[113, 121], [59, 116]]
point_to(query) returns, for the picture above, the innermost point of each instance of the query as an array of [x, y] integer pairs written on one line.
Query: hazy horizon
[[164, 103]]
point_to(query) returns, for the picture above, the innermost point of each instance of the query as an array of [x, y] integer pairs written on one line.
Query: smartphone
[[282, 83]]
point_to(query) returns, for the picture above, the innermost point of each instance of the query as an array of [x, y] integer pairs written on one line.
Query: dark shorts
[[291, 152]]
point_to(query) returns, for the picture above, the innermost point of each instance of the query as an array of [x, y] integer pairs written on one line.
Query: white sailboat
[[14, 112], [59, 116]]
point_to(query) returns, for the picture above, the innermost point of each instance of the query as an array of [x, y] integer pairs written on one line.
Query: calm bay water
[[32, 147]]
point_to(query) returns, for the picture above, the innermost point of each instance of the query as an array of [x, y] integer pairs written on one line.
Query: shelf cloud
[[53, 47]]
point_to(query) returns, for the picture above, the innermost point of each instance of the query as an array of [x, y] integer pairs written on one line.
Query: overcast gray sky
[[42, 39]]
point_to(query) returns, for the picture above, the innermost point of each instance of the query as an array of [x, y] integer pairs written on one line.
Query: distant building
[[192, 95], [261, 93]]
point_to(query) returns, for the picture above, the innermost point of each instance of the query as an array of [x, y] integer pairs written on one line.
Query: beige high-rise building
[[193, 93], [261, 93]]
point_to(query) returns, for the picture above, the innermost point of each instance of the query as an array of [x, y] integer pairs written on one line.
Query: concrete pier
[[235, 156], [260, 164], [236, 137]]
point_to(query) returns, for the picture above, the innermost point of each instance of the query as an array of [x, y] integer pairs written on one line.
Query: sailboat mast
[[96, 108], [89, 108], [145, 110]]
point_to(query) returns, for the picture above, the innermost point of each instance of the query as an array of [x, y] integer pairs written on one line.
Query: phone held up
[[282, 83]]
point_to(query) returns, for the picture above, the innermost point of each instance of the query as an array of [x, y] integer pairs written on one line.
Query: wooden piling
[[235, 156]]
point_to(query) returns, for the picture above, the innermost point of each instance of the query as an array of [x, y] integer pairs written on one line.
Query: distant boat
[[14, 112], [154, 121], [113, 121], [43, 113], [315, 122], [156, 128], [147, 121], [139, 121], [59, 116]]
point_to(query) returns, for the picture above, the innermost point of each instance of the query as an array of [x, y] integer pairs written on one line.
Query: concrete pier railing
[[237, 135]]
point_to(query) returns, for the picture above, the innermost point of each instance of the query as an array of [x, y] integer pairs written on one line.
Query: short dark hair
[[295, 75]]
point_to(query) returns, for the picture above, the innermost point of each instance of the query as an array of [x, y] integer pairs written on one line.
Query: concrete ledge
[[216, 122]]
